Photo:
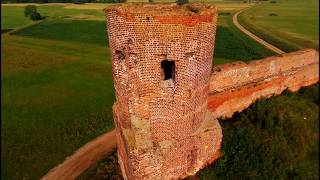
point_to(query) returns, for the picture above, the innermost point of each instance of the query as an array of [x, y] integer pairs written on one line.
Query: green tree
[[31, 11], [28, 10], [35, 16]]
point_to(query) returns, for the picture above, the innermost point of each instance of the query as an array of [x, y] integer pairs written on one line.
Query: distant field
[[231, 44], [287, 24], [89, 31], [12, 15], [56, 96]]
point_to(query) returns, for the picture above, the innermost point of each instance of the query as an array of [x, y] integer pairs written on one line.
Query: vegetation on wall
[[180, 2]]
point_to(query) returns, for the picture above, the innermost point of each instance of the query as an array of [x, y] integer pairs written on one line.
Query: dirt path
[[254, 37], [83, 158]]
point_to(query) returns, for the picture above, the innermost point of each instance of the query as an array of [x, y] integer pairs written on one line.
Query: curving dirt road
[[83, 158], [254, 37]]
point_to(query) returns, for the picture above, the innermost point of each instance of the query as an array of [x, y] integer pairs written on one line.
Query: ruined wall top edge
[[197, 12], [297, 58], [235, 74]]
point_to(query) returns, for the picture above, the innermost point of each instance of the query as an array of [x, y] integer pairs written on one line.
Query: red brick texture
[[164, 130], [167, 98], [235, 86]]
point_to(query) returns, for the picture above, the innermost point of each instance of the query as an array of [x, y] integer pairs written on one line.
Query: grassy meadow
[[288, 24], [56, 96], [56, 81]]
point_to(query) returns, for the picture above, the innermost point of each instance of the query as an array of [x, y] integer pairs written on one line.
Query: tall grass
[[274, 138]]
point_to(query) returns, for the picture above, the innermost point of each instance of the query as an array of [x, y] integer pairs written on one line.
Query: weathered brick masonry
[[235, 86], [162, 59], [162, 62]]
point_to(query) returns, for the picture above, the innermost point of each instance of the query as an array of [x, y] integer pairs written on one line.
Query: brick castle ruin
[[168, 99]]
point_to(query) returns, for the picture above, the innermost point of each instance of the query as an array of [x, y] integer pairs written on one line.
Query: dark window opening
[[168, 69], [119, 55]]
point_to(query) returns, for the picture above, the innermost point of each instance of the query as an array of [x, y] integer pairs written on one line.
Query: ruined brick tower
[[162, 61]]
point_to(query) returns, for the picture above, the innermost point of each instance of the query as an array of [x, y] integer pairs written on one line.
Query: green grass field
[[13, 17], [57, 89], [231, 44], [88, 31], [294, 25], [56, 96]]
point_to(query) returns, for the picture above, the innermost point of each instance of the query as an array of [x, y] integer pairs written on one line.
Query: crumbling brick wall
[[235, 86], [161, 61]]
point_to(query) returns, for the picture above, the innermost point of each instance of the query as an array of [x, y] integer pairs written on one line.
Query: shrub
[[35, 16], [28, 10], [5, 30], [273, 14], [224, 13], [193, 9], [181, 2], [78, 2], [31, 11], [273, 2]]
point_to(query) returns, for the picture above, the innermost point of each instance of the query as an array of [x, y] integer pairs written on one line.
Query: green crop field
[[287, 24], [13, 17], [89, 31], [231, 44], [56, 96], [56, 81]]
